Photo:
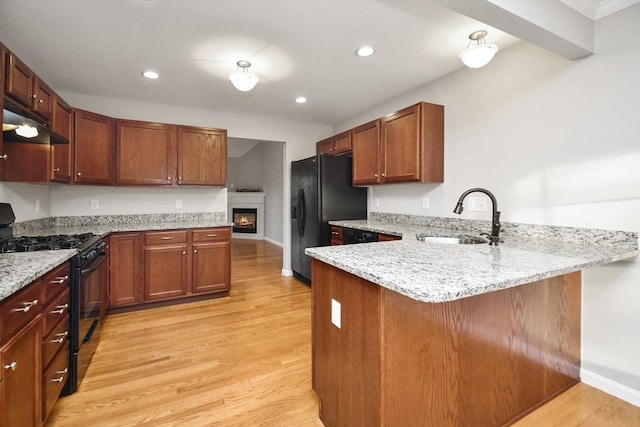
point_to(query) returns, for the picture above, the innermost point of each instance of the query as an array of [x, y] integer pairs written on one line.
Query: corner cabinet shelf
[[406, 146]]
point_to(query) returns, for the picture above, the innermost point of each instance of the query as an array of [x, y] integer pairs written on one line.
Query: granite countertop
[[17, 270], [437, 272]]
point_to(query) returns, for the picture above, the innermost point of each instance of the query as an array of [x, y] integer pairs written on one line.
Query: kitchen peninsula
[[416, 333]]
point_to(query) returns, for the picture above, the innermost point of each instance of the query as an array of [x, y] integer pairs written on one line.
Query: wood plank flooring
[[244, 360]]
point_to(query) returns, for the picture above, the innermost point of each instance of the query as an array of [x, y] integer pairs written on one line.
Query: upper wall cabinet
[[409, 148], [62, 124], [336, 145], [93, 148], [202, 156], [144, 153], [24, 87]]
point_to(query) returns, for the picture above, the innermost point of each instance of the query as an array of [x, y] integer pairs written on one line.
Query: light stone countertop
[[17, 270], [437, 272]]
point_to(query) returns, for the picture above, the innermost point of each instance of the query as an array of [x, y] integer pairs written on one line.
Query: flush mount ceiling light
[[151, 75], [242, 79], [301, 100], [365, 51], [480, 54]]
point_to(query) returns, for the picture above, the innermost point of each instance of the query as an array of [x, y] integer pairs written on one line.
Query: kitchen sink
[[453, 240]]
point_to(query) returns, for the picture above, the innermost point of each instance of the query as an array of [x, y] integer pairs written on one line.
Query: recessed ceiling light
[[151, 75], [301, 100], [365, 51]]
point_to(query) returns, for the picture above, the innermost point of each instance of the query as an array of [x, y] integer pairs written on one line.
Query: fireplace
[[245, 220]]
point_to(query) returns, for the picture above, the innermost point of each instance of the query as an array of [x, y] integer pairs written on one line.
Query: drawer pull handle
[[166, 238], [56, 169], [212, 235], [61, 377], [60, 309], [4, 157], [13, 366], [60, 279], [62, 336], [27, 306]]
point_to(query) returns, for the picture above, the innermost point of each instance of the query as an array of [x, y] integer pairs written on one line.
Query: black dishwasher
[[351, 236]]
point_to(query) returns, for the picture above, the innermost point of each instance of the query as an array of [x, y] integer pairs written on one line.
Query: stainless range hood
[[20, 126]]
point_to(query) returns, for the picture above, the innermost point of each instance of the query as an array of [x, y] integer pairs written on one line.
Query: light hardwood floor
[[244, 360]]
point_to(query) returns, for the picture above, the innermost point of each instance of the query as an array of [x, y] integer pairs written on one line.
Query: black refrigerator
[[321, 191]]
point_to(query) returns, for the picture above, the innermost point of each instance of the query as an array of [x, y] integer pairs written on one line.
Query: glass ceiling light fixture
[[242, 79], [480, 54], [27, 131]]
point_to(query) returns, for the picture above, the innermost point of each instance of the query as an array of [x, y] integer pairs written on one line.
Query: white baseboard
[[247, 236], [287, 273], [273, 241], [610, 387]]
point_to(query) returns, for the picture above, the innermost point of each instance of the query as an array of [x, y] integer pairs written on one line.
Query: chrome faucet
[[495, 219]]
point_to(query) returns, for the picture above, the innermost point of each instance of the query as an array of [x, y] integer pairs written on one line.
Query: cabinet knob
[[184, 252], [383, 175], [12, 366], [40, 101], [168, 178], [79, 173], [56, 169], [34, 96], [179, 178], [4, 157], [375, 175], [195, 251]]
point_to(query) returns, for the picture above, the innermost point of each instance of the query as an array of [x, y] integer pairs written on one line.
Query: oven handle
[[97, 265]]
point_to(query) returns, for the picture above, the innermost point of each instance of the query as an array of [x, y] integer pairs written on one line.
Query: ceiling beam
[[551, 25]]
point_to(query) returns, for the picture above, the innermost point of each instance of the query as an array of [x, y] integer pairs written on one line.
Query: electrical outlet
[[478, 204], [95, 204], [336, 315], [425, 203], [178, 203], [37, 205], [376, 202]]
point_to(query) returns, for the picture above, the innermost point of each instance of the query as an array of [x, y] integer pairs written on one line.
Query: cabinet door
[[144, 153], [211, 262], [342, 143], [3, 156], [165, 272], [93, 146], [125, 257], [18, 84], [42, 99], [62, 124], [366, 153], [202, 156], [336, 236], [401, 144], [325, 146], [21, 373]]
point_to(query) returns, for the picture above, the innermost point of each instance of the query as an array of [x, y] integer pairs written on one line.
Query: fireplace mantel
[[247, 200]]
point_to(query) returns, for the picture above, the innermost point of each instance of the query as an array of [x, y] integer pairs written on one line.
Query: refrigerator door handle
[[301, 212]]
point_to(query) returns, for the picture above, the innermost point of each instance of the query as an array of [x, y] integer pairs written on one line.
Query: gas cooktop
[[46, 243]]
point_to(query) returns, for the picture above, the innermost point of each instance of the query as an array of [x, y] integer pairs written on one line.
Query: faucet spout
[[494, 238]]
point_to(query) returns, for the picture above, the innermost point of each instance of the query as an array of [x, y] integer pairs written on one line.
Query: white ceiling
[[297, 47]]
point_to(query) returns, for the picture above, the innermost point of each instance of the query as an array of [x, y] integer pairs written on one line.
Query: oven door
[[92, 282]]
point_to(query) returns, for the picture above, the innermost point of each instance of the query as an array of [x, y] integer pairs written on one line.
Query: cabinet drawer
[[165, 237], [387, 237], [56, 311], [20, 308], [53, 380], [56, 282], [212, 234], [54, 341]]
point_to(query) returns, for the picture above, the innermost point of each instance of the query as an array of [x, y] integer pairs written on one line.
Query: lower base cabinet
[[156, 266]]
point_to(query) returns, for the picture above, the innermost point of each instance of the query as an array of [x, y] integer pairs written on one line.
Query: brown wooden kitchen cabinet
[[201, 156], [382, 237], [144, 153], [211, 262], [336, 235], [62, 124], [21, 357], [3, 155], [165, 264], [336, 145], [93, 148], [24, 87], [410, 147], [125, 269]]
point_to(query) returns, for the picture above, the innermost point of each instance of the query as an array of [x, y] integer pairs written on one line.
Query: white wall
[[23, 199], [246, 171], [273, 185], [557, 141]]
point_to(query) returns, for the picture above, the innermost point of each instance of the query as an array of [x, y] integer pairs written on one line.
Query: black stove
[[47, 243]]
